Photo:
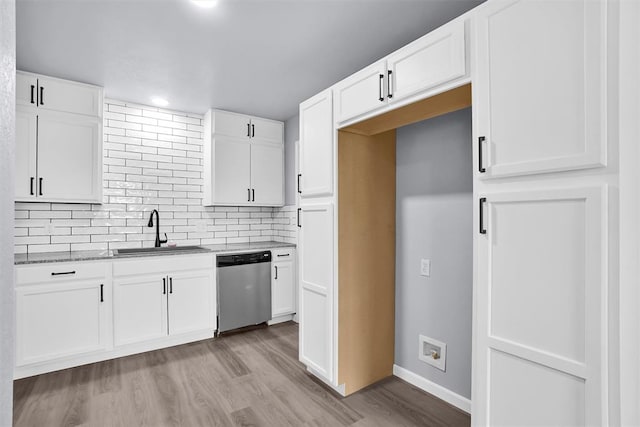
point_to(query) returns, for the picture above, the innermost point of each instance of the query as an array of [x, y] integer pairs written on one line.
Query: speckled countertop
[[45, 257]]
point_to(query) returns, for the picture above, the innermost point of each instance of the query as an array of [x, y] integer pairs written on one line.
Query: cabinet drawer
[[60, 272], [283, 254], [163, 263]]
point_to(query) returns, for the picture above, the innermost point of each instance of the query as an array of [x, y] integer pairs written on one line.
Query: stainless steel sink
[[162, 250]]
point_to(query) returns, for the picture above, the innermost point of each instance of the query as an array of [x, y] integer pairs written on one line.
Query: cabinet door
[[362, 92], [316, 146], [60, 320], [539, 91], [69, 157], [191, 302], [25, 160], [231, 124], [232, 171], [317, 287], [541, 284], [26, 87], [282, 289], [139, 308], [267, 130], [432, 60], [267, 173], [69, 97]]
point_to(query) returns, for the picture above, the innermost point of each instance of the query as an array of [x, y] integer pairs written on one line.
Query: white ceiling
[[260, 57]]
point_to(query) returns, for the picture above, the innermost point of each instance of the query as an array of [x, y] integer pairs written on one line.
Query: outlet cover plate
[[425, 267]]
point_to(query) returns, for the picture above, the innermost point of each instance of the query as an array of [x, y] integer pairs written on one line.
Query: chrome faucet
[[158, 240]]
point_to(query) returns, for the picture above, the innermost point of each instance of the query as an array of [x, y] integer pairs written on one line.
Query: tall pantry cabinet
[[545, 161], [316, 237]]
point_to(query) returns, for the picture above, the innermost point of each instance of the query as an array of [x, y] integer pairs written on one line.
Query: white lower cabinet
[[283, 289], [70, 314], [163, 297], [140, 309], [316, 245], [191, 302], [62, 311]]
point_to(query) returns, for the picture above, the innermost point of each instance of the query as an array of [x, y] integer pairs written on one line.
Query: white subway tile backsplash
[[152, 160]]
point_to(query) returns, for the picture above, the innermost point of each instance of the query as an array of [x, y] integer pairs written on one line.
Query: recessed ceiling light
[[208, 4], [160, 102]]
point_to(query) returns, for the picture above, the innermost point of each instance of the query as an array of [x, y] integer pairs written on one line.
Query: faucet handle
[[165, 240]]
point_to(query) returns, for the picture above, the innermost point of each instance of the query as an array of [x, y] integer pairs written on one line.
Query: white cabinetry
[[243, 160], [62, 311], [541, 285], [58, 140], [541, 321], [429, 62], [316, 146], [316, 246], [540, 102], [283, 289], [163, 297]]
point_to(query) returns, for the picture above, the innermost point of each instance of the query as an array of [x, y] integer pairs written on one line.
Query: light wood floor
[[248, 379]]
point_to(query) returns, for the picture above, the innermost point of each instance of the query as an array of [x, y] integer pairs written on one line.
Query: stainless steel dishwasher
[[244, 289]]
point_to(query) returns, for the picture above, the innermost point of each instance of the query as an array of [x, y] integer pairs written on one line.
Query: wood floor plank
[[252, 378]]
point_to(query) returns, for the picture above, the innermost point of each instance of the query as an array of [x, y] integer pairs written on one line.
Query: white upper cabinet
[[267, 173], [243, 160], [432, 60], [232, 164], [361, 92], [539, 87], [58, 140], [67, 154], [26, 134], [316, 146], [58, 95], [266, 130]]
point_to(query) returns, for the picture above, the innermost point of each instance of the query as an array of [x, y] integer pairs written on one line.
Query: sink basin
[[162, 250]]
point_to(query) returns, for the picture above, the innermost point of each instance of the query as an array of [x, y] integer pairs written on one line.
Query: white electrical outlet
[[433, 352], [425, 267]]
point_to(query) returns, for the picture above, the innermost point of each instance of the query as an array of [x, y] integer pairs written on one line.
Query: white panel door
[[317, 288], [139, 308], [69, 97], [60, 320], [434, 59], [267, 130], [362, 92], [231, 124], [541, 285], [25, 159], [192, 304], [539, 91], [282, 289], [26, 89], [316, 146], [267, 173], [69, 152], [232, 166]]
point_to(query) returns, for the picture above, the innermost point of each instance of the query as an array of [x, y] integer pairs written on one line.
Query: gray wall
[[7, 143], [291, 132], [434, 221]]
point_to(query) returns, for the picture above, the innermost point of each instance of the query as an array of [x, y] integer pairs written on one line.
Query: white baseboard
[[430, 387]]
